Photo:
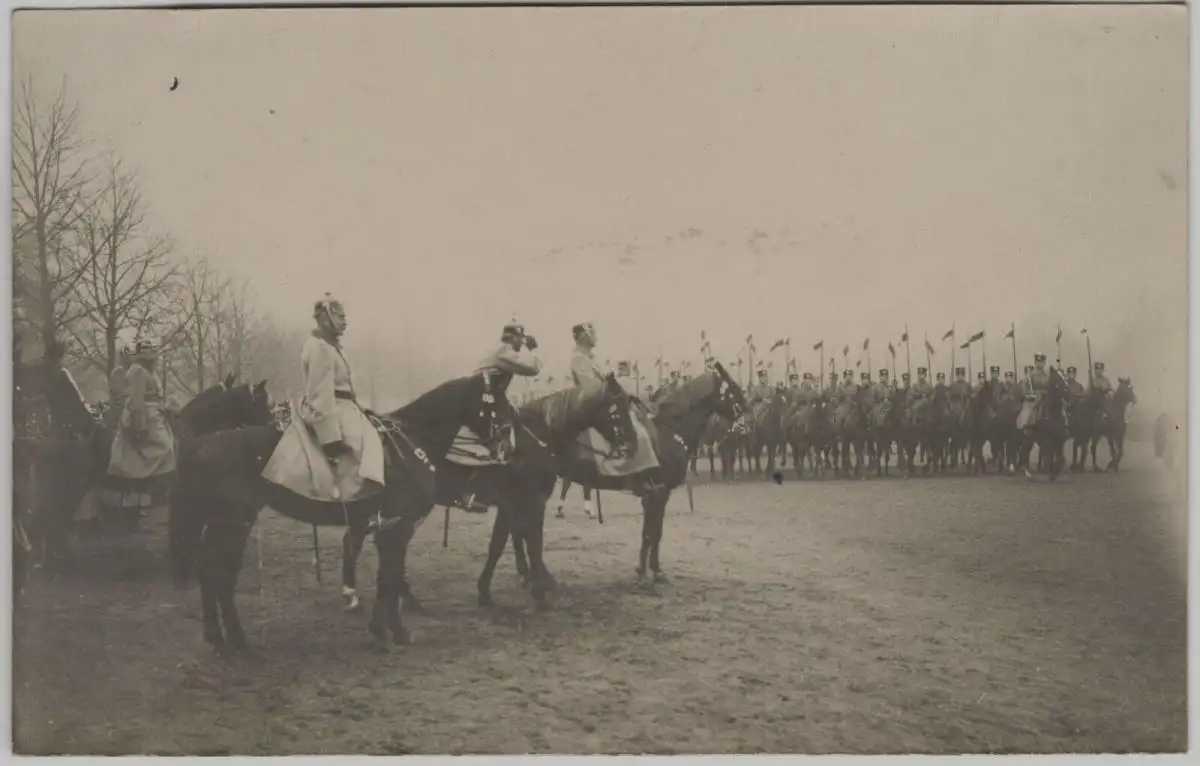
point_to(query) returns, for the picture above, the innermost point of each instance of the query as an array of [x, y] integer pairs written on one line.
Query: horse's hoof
[[351, 603], [661, 578], [550, 584], [401, 636], [485, 601]]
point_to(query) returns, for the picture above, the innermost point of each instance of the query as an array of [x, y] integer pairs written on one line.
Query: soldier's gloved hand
[[531, 343], [333, 449]]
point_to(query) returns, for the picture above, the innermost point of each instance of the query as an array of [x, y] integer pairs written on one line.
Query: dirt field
[[931, 615]]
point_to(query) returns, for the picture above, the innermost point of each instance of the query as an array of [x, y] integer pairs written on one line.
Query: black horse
[[1115, 426], [546, 430], [61, 471], [977, 419], [676, 431], [1049, 431], [1087, 417], [221, 491]]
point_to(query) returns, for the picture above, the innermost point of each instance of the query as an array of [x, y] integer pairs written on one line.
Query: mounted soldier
[[1009, 387], [638, 466], [118, 386], [1075, 390], [960, 389], [1033, 393], [331, 452], [849, 389], [922, 389], [883, 389], [807, 393], [1099, 381], [980, 380], [996, 382], [144, 446], [761, 390]]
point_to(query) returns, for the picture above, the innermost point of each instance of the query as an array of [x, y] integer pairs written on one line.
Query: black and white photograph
[[600, 380]]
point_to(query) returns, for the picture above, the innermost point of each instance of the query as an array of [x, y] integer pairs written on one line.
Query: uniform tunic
[[144, 445], [1100, 383], [505, 362], [297, 463], [118, 394]]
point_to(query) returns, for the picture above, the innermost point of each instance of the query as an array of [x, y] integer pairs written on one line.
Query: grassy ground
[[931, 615]]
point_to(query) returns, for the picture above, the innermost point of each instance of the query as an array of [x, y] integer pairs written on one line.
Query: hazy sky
[[814, 172]]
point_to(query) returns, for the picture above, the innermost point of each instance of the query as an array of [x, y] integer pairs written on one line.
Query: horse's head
[[1125, 393], [730, 399], [249, 405]]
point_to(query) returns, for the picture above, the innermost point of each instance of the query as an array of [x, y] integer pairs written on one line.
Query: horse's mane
[[203, 399], [688, 394], [433, 404], [559, 409]]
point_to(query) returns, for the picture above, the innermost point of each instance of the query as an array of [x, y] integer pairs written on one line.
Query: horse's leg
[[522, 560], [659, 515], [531, 525], [208, 563], [390, 583], [500, 533], [647, 521], [352, 542], [562, 498], [229, 552]]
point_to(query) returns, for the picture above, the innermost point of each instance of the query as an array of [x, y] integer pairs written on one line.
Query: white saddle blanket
[[300, 465], [598, 448], [469, 450]]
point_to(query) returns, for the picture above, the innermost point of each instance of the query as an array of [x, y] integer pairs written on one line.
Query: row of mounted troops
[[879, 418]]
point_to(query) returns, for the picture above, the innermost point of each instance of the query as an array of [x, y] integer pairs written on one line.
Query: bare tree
[[128, 274], [50, 180]]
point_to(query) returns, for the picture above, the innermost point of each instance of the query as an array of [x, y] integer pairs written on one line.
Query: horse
[[63, 471], [221, 492], [808, 431], [1114, 424], [978, 414], [545, 429], [548, 429], [1049, 431], [676, 431], [886, 420], [767, 431], [1001, 431], [1086, 418], [958, 438], [850, 431]]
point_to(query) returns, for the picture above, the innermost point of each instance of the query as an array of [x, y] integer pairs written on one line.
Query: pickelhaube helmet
[[146, 345], [512, 331], [327, 304]]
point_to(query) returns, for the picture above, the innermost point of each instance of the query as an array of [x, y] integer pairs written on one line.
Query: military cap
[[904, 376], [922, 371], [865, 376], [685, 376], [1039, 357], [794, 376], [883, 373], [848, 374], [581, 328], [1099, 365], [762, 373], [1009, 375], [981, 375], [1071, 370], [960, 370], [1029, 368], [941, 376], [808, 376], [995, 369]]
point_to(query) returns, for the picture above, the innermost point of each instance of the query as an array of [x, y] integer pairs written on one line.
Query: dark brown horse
[[221, 491], [676, 430], [61, 471], [1115, 425], [546, 431]]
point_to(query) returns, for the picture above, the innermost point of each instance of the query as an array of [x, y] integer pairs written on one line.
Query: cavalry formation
[[851, 429], [327, 461]]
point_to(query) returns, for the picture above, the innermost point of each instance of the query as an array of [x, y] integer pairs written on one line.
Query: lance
[[1012, 333], [908, 352], [1091, 375], [928, 358], [750, 352], [821, 372], [1058, 345], [983, 347], [953, 346]]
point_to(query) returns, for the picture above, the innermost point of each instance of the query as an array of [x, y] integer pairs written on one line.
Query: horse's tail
[[185, 531]]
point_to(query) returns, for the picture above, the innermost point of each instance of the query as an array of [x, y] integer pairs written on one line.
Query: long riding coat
[[144, 445]]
